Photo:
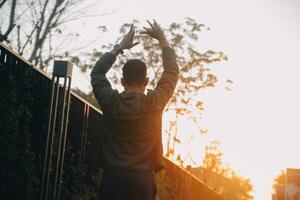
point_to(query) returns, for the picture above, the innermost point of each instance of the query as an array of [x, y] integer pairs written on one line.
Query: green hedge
[[18, 178], [24, 100]]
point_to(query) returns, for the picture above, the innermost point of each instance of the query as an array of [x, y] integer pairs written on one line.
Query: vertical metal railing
[[54, 150], [50, 138], [64, 132], [62, 70], [83, 145]]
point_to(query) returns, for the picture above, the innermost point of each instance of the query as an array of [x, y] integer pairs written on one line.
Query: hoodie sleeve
[[101, 86], [168, 80]]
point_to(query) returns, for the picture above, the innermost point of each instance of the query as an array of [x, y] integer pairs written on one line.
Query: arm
[[168, 80], [101, 86]]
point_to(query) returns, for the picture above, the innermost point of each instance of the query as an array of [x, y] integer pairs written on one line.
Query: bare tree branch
[[77, 17], [46, 17], [11, 25], [86, 45], [40, 39], [2, 3], [28, 39], [18, 39], [24, 11]]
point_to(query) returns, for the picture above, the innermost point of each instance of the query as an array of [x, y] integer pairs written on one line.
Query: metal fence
[[83, 139], [84, 125]]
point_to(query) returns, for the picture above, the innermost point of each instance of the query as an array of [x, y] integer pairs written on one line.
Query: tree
[[2, 2], [223, 179], [19, 178], [11, 23], [38, 26], [195, 74], [212, 160], [279, 180], [279, 185]]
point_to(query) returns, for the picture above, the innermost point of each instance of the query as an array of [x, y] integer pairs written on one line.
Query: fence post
[[62, 70]]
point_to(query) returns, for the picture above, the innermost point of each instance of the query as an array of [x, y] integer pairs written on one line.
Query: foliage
[[18, 178], [165, 186], [86, 182], [223, 179], [279, 183], [195, 74], [24, 104], [279, 179]]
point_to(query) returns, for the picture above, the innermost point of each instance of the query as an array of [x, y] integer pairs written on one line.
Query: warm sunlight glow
[[257, 123], [187, 142], [234, 118]]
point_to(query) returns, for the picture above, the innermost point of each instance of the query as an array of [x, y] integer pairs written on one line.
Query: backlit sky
[[258, 122]]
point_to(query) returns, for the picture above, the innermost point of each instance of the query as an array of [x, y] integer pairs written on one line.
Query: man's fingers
[[134, 44], [155, 23], [146, 31], [131, 28], [131, 31], [150, 24], [132, 34]]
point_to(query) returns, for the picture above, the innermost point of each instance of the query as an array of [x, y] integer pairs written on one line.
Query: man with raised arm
[[131, 141]]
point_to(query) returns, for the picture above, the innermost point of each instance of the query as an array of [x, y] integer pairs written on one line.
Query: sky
[[257, 122]]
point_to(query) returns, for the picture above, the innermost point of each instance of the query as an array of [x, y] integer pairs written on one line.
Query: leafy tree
[[223, 179], [18, 176], [212, 160], [195, 74], [279, 180], [279, 185]]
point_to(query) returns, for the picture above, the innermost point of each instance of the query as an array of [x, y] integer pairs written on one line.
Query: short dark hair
[[134, 72]]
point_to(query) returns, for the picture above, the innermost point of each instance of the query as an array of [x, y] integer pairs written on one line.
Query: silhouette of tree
[[222, 178], [279, 180], [2, 2], [279, 185], [38, 25], [195, 74], [11, 23]]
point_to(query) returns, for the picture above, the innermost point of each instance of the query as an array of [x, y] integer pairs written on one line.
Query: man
[[131, 140]]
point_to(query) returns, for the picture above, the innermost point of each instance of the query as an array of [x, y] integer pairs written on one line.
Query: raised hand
[[156, 32], [127, 41]]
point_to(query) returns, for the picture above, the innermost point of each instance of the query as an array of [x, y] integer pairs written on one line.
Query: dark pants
[[127, 185]]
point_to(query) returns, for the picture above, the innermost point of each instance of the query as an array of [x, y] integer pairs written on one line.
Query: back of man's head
[[134, 72]]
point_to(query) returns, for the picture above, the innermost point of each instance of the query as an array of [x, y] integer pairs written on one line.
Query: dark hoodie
[[132, 122]]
